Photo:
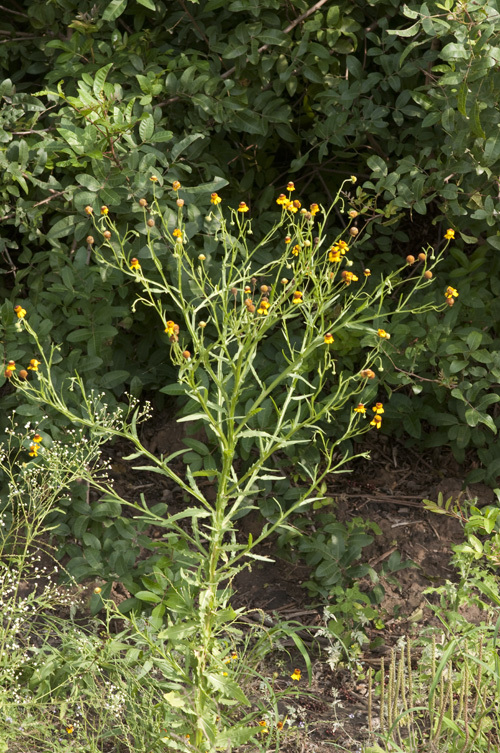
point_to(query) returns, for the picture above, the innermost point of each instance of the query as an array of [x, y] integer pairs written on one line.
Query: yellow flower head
[[176, 185], [153, 179], [282, 199], [290, 186], [34, 364], [376, 421], [291, 207], [296, 675], [104, 210], [134, 264], [353, 179], [367, 374], [215, 199], [37, 438], [450, 234], [21, 313], [328, 338], [383, 334], [243, 207], [297, 297], [349, 277], [288, 239], [11, 367], [295, 203], [296, 250], [97, 590], [177, 233], [378, 408], [343, 246], [360, 408], [89, 210], [33, 453], [450, 292], [70, 729], [314, 209], [334, 255], [367, 272]]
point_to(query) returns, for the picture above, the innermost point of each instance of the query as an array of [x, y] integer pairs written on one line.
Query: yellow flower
[[263, 307], [171, 328], [288, 239], [353, 179], [367, 374], [134, 264], [376, 421], [153, 179], [328, 338], [176, 185], [37, 438], [104, 210], [33, 450], [89, 210], [202, 257], [450, 293], [21, 313], [367, 272], [243, 207], [282, 199], [343, 246], [234, 656], [349, 277], [383, 334], [11, 367], [215, 199], [314, 209], [177, 233], [34, 364], [70, 729], [290, 186], [450, 234], [296, 250], [334, 255], [297, 297], [97, 590], [378, 408], [296, 674], [360, 408], [291, 207]]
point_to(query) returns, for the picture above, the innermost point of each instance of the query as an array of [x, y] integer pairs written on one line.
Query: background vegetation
[[99, 96]]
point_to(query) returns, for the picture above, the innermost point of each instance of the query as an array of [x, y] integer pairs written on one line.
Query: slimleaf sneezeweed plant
[[253, 328]]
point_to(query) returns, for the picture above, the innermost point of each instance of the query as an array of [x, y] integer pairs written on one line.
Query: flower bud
[[264, 288], [90, 239], [202, 325], [180, 202], [410, 259], [23, 374], [422, 256], [428, 274], [186, 354], [143, 203], [449, 301], [107, 234], [353, 214], [150, 223], [353, 231], [234, 291], [202, 257]]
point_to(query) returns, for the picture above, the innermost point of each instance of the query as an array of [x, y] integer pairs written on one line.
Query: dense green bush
[[99, 96]]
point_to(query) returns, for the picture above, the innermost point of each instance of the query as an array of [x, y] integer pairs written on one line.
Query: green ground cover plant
[[447, 698], [252, 328]]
